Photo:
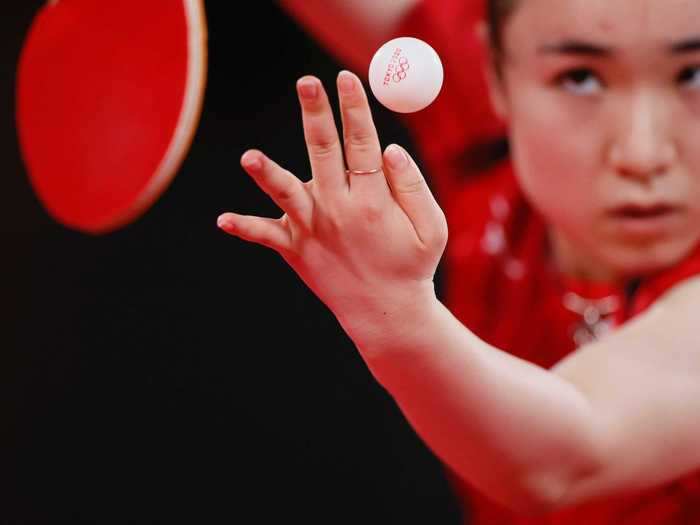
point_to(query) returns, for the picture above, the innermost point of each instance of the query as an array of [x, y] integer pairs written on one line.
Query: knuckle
[[371, 213], [322, 148], [414, 186], [283, 194], [362, 140], [247, 230], [437, 237], [286, 192], [353, 102]]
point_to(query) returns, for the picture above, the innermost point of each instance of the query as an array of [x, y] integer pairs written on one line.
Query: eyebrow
[[582, 48], [691, 45], [575, 47]]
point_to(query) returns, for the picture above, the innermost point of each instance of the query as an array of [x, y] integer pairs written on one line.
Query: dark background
[[169, 372]]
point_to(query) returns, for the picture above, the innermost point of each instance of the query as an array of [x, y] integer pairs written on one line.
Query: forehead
[[617, 22]]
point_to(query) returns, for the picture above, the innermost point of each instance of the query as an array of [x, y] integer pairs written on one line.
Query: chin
[[631, 260]]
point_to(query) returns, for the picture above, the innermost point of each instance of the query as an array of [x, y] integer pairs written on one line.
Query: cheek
[[555, 159], [687, 132]]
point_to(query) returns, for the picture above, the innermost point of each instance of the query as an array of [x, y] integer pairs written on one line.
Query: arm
[[617, 415], [644, 383], [351, 30]]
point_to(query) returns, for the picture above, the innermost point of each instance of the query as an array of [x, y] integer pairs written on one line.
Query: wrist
[[385, 322]]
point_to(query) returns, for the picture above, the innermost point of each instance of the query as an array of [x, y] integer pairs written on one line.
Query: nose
[[643, 147]]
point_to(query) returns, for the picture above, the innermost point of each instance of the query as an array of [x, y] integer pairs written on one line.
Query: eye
[[690, 77], [580, 81]]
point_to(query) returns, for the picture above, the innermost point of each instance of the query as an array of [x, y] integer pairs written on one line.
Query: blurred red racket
[[109, 94]]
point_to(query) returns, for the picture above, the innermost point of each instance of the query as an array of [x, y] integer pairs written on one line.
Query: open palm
[[352, 237]]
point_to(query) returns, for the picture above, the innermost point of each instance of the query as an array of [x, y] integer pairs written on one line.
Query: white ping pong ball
[[405, 75]]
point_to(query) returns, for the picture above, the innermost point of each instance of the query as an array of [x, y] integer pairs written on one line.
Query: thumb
[[412, 193]]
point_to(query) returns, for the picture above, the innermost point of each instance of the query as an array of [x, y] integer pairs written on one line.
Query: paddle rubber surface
[[109, 94]]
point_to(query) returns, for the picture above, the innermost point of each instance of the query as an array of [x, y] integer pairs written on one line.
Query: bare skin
[[615, 416], [625, 111]]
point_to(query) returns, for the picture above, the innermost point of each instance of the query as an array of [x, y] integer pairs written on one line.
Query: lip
[[645, 220]]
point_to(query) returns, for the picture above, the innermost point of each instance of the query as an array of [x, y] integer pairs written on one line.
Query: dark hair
[[497, 14], [482, 155]]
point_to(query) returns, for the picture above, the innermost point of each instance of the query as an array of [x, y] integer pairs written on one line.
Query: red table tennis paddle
[[109, 94]]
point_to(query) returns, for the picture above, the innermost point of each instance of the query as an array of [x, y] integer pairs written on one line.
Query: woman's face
[[603, 104]]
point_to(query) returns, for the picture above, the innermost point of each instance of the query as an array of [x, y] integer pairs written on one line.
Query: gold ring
[[363, 172]]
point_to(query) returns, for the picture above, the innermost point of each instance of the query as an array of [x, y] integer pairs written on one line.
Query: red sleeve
[[460, 120]]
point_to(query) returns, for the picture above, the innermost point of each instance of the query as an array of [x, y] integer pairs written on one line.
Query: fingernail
[[346, 82], [308, 88], [223, 222], [251, 161], [396, 157]]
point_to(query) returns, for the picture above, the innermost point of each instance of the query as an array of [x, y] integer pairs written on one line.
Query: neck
[[577, 263]]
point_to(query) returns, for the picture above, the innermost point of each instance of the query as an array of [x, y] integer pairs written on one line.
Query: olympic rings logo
[[400, 73]]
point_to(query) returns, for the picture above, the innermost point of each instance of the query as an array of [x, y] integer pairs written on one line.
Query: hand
[[364, 243]]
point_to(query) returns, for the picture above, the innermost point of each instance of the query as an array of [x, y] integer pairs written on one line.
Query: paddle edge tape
[[187, 123]]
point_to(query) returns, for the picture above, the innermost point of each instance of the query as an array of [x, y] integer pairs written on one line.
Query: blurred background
[[169, 372]]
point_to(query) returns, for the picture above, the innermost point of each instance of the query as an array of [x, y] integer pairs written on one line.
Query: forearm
[[518, 432], [351, 30]]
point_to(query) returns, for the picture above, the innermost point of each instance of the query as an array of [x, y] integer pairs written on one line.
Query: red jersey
[[499, 279]]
